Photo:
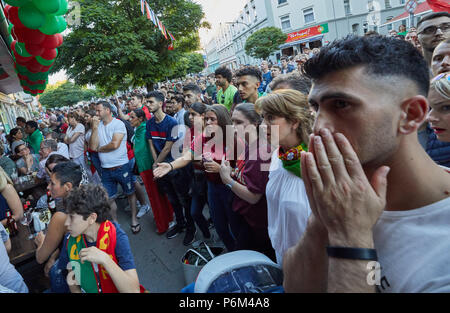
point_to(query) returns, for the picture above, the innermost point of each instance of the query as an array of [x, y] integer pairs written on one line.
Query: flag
[[153, 17], [148, 10], [164, 31], [439, 5], [171, 36], [142, 7], [170, 47]]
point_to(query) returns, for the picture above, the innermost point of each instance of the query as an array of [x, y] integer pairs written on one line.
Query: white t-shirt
[[76, 149], [413, 249], [287, 207], [63, 150], [119, 156]]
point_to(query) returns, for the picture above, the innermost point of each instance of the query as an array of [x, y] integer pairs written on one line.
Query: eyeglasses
[[441, 76], [431, 30]]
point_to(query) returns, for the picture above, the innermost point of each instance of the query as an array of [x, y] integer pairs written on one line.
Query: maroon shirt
[[249, 173]]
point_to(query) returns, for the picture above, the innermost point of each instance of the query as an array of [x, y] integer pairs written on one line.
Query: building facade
[[310, 23]]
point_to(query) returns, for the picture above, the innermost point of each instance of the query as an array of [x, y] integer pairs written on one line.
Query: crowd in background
[[257, 195]]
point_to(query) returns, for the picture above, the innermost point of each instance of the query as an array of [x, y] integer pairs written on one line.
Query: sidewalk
[[157, 259]]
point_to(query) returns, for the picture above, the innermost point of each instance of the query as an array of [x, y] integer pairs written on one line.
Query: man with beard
[[380, 204], [248, 81], [440, 63], [227, 91], [432, 29]]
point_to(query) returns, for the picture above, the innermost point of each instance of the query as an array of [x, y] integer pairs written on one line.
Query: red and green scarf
[[106, 242], [291, 159]]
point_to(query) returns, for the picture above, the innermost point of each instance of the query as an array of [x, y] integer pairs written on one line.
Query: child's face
[[76, 225]]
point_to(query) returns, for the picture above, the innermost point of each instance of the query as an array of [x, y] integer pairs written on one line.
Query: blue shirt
[[266, 80], [162, 132], [124, 256]]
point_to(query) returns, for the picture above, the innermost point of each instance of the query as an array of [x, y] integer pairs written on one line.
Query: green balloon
[[17, 3], [22, 69], [43, 61], [9, 40], [63, 7], [53, 25], [48, 6], [31, 17], [20, 49], [10, 26]]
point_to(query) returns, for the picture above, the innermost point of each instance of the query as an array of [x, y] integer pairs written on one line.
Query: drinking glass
[[26, 220]]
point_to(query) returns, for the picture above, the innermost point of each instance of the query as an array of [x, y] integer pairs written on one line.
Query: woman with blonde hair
[[439, 99], [289, 124], [9, 199]]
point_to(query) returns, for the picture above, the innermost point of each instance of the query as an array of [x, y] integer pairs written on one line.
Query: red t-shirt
[[202, 145]]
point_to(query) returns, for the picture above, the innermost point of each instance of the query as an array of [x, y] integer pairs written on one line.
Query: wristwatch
[[230, 185]]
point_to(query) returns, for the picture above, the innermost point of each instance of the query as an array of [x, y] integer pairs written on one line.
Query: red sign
[[307, 33]]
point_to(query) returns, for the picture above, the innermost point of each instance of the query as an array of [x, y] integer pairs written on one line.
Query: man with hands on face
[[379, 202]]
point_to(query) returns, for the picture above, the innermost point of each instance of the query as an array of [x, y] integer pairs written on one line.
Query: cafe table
[[23, 257]]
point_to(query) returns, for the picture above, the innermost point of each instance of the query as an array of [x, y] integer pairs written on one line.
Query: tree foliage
[[265, 41], [114, 45], [66, 94]]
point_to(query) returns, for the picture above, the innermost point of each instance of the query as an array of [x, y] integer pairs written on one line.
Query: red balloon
[[49, 54], [20, 59], [13, 45], [34, 49], [31, 36], [6, 9], [13, 16], [52, 41]]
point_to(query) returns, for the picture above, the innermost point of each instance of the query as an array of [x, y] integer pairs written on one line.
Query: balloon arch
[[34, 35]]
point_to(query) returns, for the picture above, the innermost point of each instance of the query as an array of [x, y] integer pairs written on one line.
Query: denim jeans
[[95, 159], [226, 222], [58, 282], [122, 176]]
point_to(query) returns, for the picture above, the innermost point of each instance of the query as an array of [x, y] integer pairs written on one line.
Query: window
[[285, 22], [387, 4], [370, 5], [355, 29], [347, 8], [402, 1], [281, 1], [389, 27], [308, 14]]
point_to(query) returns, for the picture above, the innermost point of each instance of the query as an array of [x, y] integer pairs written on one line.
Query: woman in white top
[[75, 139], [289, 123]]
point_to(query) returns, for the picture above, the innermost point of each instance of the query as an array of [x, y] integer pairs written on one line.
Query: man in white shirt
[[380, 204], [108, 138]]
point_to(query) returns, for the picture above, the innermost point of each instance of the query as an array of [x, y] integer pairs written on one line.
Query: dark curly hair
[[382, 56], [250, 71], [224, 72], [88, 199]]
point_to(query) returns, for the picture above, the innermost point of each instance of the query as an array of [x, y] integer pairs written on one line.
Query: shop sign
[[307, 33]]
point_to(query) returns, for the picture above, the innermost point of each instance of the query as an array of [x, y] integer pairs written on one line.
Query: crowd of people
[[323, 162]]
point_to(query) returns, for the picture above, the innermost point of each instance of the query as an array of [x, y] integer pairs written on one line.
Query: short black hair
[[432, 16], [250, 71], [192, 87], [178, 98], [68, 172], [140, 114], [224, 72], [32, 124], [21, 119], [382, 56], [155, 94], [88, 199], [294, 80], [106, 104], [56, 158]]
